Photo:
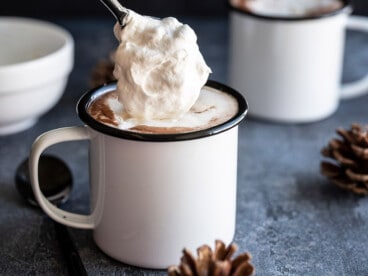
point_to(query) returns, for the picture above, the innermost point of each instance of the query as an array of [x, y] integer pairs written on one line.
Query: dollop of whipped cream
[[159, 67]]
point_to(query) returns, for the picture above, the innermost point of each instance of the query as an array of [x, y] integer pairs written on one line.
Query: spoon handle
[[118, 11], [70, 252]]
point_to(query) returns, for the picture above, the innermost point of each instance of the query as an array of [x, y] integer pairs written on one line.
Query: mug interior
[[346, 8], [87, 99]]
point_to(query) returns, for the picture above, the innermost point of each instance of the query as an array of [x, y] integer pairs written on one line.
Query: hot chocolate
[[160, 76], [212, 108], [288, 8]]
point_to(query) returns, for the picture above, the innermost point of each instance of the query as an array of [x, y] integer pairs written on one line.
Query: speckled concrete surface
[[289, 217]]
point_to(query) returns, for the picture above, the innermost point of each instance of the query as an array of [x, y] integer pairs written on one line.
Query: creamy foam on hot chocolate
[[212, 108], [288, 7]]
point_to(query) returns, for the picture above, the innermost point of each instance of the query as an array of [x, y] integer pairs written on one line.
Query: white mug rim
[[85, 101], [346, 8]]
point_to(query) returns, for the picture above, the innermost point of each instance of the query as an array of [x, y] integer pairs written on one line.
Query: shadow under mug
[[290, 68], [151, 195]]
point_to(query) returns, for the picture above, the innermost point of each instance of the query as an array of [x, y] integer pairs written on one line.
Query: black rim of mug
[[346, 8], [85, 101]]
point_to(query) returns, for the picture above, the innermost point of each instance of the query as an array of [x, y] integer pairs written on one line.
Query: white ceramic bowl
[[36, 58]]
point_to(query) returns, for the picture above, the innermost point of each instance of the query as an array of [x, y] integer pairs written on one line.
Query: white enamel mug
[[289, 68], [152, 194]]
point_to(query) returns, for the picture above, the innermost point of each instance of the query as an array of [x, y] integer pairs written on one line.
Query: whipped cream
[[159, 67], [289, 7]]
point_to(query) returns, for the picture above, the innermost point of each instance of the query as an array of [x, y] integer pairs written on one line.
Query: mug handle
[[359, 87], [41, 143]]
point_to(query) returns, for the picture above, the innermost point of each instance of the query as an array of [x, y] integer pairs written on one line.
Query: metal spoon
[[55, 183], [118, 11]]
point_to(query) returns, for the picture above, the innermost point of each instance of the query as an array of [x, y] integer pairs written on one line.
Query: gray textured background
[[289, 217], [83, 8]]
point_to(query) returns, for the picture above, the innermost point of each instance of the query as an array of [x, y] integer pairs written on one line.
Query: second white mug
[[289, 68]]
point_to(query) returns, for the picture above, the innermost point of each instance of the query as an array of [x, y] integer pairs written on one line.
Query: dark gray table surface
[[289, 217]]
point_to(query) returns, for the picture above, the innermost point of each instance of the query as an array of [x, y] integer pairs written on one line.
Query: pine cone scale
[[357, 176], [361, 152], [220, 250], [346, 135], [343, 159], [222, 268], [330, 170], [203, 265], [189, 260], [186, 270], [337, 144], [243, 269], [103, 72]]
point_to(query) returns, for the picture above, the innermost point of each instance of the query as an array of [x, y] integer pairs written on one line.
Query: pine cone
[[350, 167], [217, 263], [103, 72]]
